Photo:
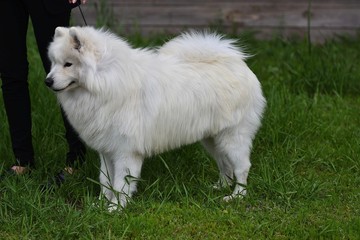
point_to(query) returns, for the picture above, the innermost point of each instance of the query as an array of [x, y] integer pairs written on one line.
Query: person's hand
[[74, 1]]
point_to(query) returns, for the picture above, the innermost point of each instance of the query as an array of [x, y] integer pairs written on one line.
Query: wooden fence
[[265, 18]]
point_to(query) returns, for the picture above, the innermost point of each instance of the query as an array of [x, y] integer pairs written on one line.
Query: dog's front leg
[[127, 171], [106, 176]]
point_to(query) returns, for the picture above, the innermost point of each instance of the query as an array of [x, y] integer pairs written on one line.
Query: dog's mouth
[[62, 89]]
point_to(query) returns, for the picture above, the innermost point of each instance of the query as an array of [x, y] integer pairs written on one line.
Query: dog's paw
[[217, 186], [118, 203], [112, 207], [228, 198], [233, 196], [222, 183]]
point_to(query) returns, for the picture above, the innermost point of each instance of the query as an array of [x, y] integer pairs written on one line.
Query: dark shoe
[[60, 178], [7, 173], [12, 171], [57, 180]]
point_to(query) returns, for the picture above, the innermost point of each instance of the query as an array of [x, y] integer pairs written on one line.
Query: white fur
[[131, 103]]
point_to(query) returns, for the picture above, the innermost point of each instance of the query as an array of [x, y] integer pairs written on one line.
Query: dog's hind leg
[[127, 170], [226, 170], [236, 143]]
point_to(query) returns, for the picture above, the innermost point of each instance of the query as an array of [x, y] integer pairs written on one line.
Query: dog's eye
[[67, 64]]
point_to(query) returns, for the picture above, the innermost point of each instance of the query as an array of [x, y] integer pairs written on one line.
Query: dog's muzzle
[[49, 82]]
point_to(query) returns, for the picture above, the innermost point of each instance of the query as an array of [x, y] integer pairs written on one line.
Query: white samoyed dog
[[130, 103]]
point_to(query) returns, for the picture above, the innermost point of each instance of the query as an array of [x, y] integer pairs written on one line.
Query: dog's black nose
[[49, 81]]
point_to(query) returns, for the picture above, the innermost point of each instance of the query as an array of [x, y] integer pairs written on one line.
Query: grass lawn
[[303, 184]]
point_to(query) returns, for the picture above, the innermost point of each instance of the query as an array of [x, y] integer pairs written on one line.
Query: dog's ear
[[60, 31], [75, 37]]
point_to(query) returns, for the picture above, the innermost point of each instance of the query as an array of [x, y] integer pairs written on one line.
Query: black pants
[[14, 18]]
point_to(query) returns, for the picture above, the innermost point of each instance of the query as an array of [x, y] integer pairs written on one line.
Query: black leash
[[82, 15]]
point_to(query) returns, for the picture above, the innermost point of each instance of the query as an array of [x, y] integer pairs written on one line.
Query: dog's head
[[73, 58]]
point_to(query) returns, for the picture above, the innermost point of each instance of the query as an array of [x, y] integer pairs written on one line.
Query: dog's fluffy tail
[[202, 47]]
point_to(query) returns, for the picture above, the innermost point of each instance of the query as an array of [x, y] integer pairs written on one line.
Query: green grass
[[304, 182]]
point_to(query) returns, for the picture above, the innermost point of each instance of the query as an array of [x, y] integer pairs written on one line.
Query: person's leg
[[44, 24], [77, 150], [14, 73]]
